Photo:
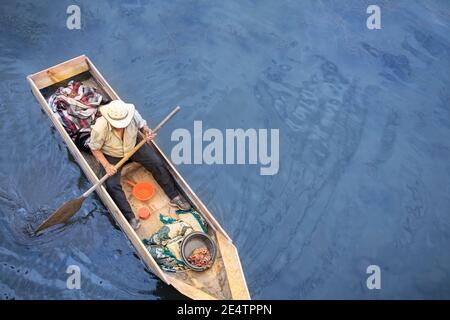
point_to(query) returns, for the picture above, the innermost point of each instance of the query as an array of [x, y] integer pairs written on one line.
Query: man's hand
[[110, 169], [149, 134]]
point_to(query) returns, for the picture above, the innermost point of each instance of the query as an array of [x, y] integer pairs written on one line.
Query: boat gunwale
[[57, 65]]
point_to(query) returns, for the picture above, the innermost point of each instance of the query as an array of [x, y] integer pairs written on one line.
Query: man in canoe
[[112, 136]]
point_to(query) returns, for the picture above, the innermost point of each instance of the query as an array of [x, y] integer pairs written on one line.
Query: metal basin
[[196, 240]]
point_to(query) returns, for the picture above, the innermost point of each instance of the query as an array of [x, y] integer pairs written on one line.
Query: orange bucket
[[144, 213], [142, 190]]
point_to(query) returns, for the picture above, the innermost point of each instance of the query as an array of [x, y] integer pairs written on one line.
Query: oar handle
[[132, 151], [129, 154], [166, 119]]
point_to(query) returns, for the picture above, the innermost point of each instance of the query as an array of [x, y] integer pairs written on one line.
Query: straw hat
[[118, 113]]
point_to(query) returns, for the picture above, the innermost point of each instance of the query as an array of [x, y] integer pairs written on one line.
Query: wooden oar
[[68, 209]]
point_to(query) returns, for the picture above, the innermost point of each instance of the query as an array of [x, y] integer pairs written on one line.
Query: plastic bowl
[[196, 240], [144, 213], [142, 190]]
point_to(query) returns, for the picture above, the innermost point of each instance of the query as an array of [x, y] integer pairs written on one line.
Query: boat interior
[[213, 282]]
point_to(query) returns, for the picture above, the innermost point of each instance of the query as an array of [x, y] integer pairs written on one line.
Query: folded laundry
[[77, 107], [163, 245]]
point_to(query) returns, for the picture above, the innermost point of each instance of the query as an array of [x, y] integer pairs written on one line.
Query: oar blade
[[64, 213]]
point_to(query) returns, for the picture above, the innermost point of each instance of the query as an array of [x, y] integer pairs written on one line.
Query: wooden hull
[[195, 286]]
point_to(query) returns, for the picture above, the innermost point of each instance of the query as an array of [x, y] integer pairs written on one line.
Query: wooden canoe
[[225, 280]]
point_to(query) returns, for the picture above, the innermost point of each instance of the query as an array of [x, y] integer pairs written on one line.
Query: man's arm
[[95, 144], [142, 125], [109, 168], [148, 133]]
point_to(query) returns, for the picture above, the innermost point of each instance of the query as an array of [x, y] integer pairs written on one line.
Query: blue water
[[364, 119]]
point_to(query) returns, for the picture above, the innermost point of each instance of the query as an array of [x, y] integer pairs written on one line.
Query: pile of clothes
[[77, 107], [164, 245]]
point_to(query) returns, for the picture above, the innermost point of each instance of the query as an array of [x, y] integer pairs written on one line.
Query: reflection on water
[[364, 126]]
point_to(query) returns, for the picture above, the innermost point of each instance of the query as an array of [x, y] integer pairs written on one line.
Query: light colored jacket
[[105, 138]]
